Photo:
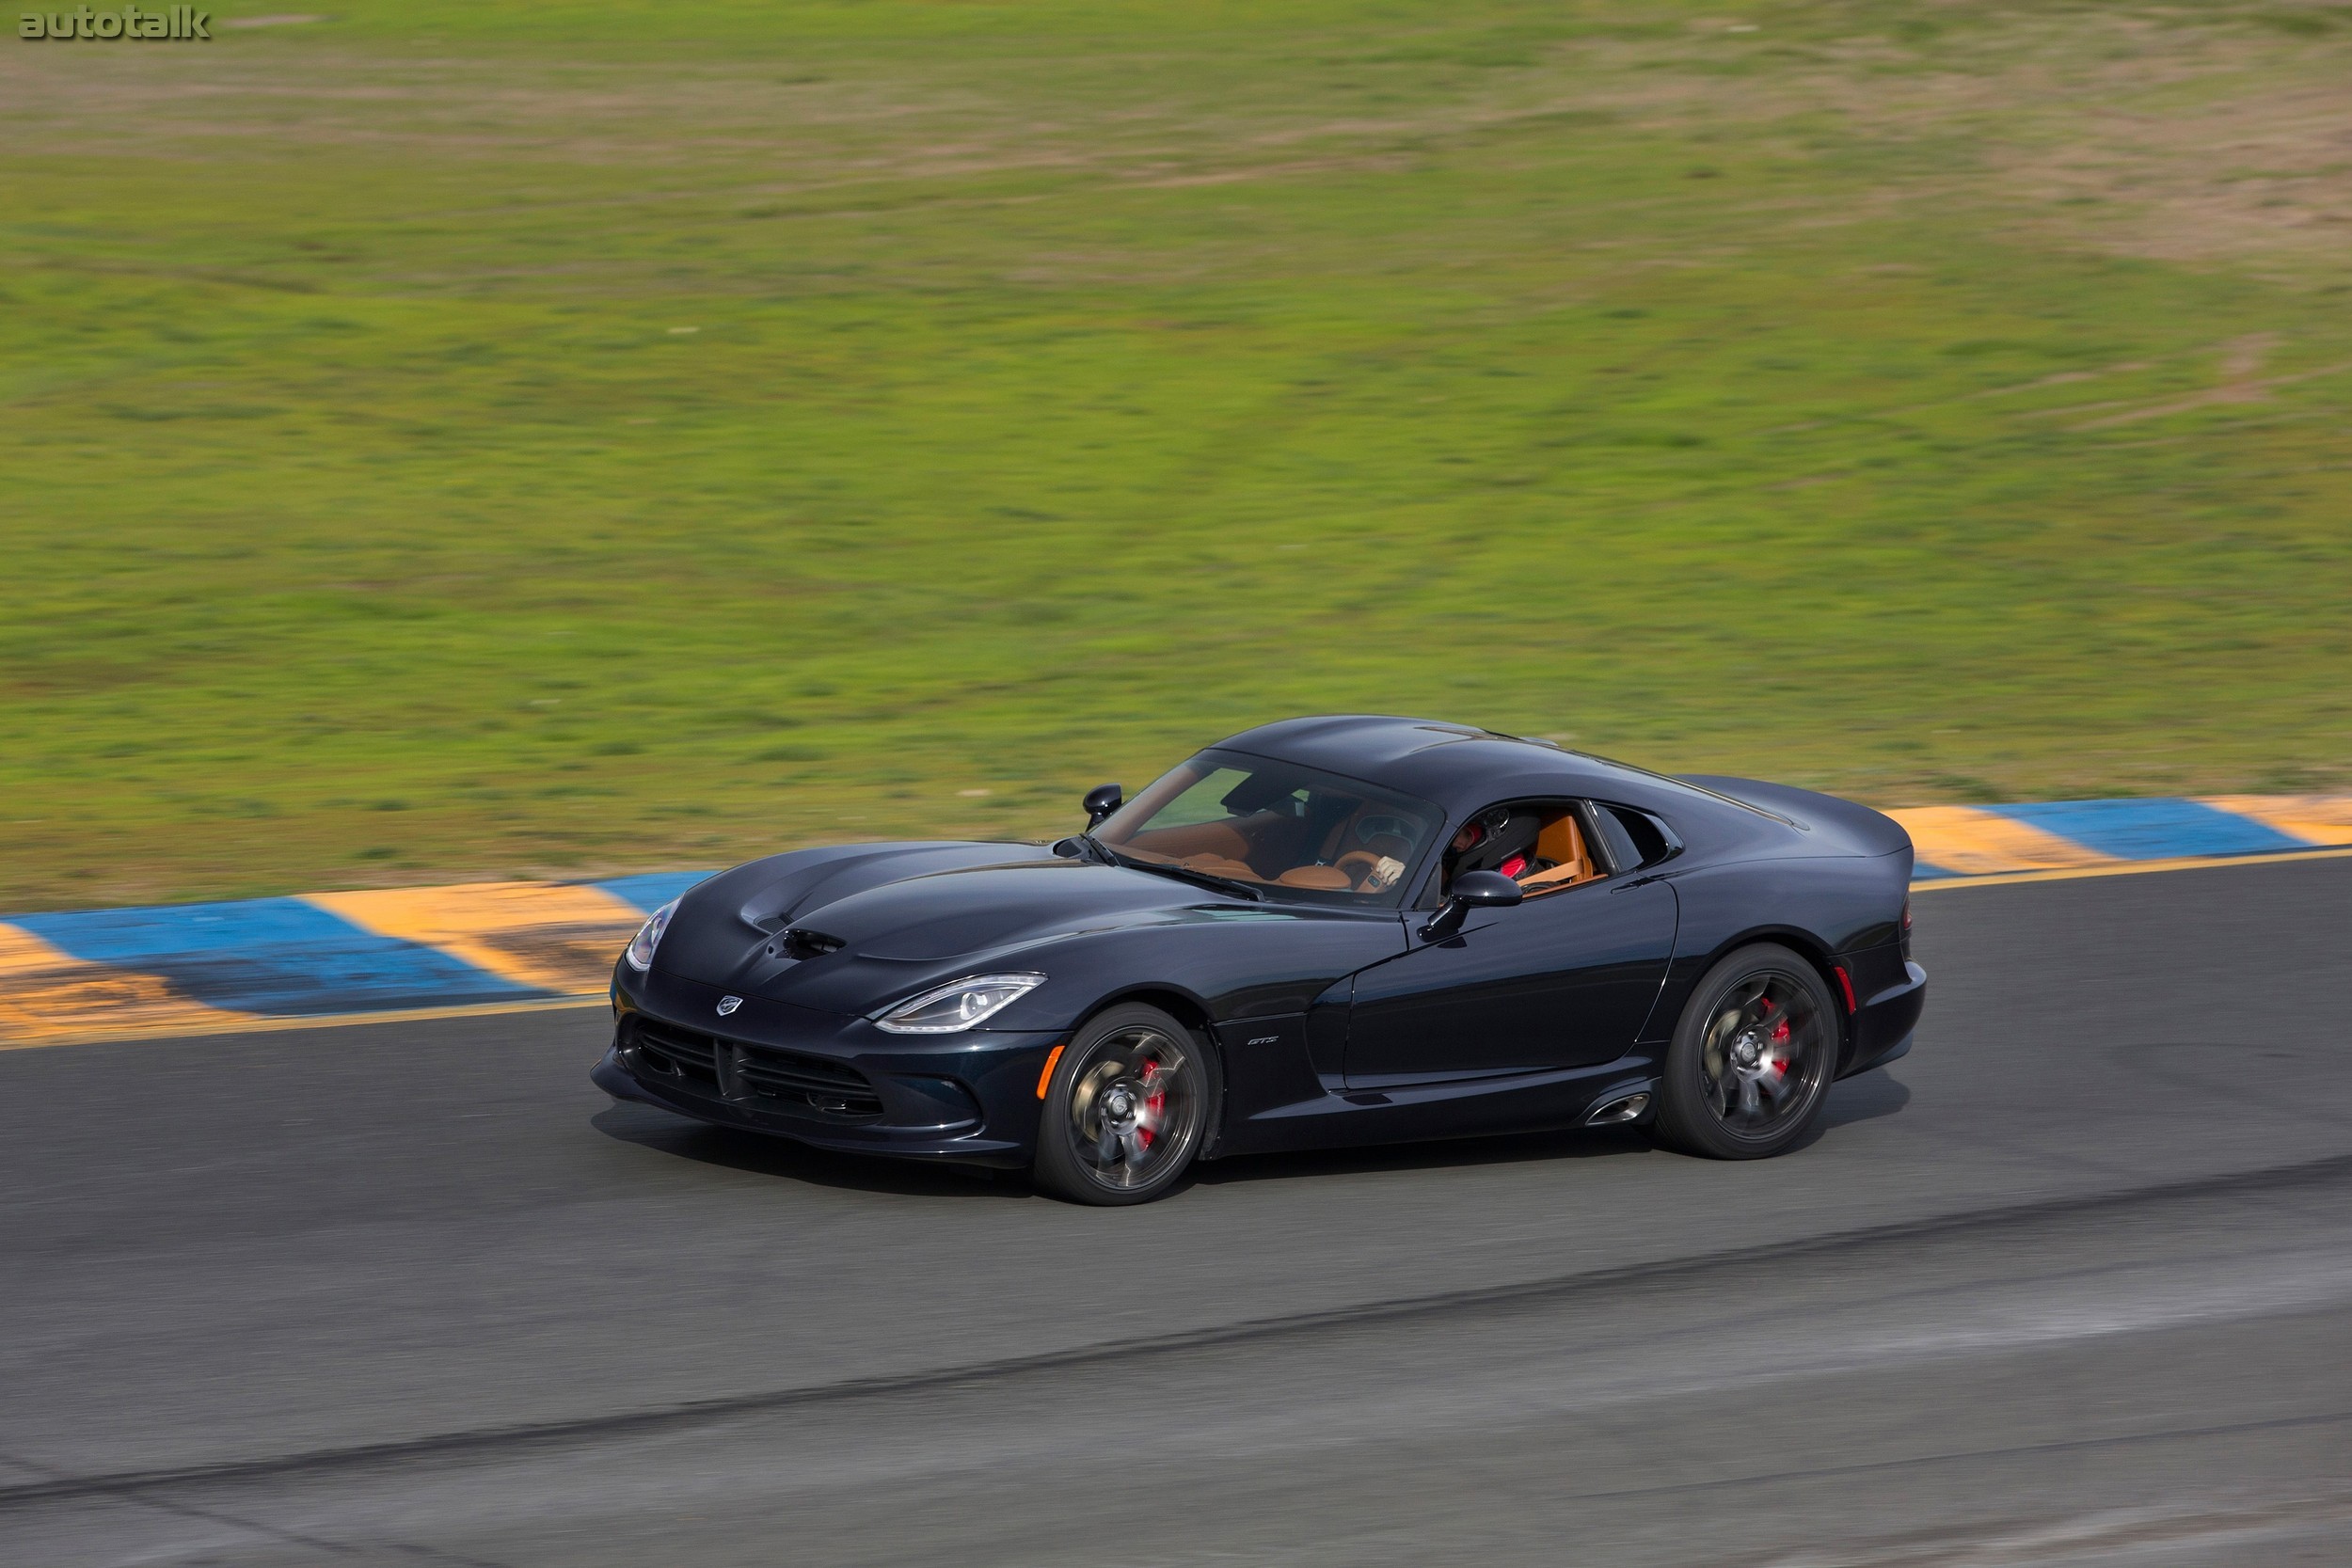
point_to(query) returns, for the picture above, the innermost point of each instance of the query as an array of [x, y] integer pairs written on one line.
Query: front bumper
[[823, 1079]]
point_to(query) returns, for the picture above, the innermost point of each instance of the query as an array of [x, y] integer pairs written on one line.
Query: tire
[[1730, 1092], [1127, 1108]]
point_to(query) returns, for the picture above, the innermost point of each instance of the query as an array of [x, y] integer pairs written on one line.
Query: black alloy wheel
[[1126, 1108], [1752, 1056]]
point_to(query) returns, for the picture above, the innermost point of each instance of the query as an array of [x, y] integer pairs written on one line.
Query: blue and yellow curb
[[489, 947], [204, 968], [2065, 835]]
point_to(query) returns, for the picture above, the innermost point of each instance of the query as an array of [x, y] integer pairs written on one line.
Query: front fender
[[1235, 962]]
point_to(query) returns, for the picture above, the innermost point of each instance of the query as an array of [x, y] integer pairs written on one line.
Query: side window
[[1540, 845], [1634, 838]]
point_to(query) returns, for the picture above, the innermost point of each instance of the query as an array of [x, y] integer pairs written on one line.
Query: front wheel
[[1752, 1059], [1125, 1108]]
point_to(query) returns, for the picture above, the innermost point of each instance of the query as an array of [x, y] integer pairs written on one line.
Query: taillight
[[1906, 931]]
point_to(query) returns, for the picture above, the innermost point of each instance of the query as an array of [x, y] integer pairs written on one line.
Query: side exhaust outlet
[[1625, 1108]]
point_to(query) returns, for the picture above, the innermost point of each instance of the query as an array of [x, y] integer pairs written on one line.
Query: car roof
[[1454, 766]]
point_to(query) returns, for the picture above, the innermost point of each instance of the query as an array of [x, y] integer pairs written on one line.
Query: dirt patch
[[2254, 170], [2239, 385]]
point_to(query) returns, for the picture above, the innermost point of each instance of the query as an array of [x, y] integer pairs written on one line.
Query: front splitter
[[613, 1077]]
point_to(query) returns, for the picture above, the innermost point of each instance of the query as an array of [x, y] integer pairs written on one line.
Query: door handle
[[1640, 882]]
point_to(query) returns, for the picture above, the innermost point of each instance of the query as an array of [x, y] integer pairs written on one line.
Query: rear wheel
[[1125, 1109], [1750, 1068]]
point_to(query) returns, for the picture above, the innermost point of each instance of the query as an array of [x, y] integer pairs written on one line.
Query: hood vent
[[800, 942]]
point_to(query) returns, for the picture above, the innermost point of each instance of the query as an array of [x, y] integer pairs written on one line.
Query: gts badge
[[728, 1005]]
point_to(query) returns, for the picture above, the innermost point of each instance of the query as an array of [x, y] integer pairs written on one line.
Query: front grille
[[755, 1075], [678, 1052], [822, 1085]]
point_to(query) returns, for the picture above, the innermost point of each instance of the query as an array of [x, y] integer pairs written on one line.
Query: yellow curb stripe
[[218, 1022], [2133, 868], [48, 995], [547, 936], [1970, 842], [2323, 819]]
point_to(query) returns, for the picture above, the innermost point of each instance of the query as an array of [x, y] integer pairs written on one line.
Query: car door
[[1565, 979]]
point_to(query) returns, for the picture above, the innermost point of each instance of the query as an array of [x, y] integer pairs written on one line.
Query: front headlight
[[960, 1006], [648, 937]]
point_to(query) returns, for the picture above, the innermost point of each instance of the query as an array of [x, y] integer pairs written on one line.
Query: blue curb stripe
[[2151, 830], [273, 955], [653, 889], [293, 959]]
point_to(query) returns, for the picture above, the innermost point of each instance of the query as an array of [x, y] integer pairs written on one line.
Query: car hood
[[907, 916]]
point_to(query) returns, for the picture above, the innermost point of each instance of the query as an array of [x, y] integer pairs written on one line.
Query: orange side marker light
[[1047, 1076]]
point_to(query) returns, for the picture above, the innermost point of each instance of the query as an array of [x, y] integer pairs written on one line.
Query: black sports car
[[1326, 931]]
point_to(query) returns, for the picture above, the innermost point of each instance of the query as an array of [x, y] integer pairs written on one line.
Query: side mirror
[[1471, 890], [1101, 801]]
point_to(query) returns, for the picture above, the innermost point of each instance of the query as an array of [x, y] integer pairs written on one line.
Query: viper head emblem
[[728, 1005]]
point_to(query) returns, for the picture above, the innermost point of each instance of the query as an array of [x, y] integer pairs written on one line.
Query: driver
[[1498, 839]]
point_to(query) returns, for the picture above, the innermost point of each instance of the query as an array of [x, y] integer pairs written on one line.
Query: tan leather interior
[[1217, 866], [1221, 839], [1327, 876], [1561, 840]]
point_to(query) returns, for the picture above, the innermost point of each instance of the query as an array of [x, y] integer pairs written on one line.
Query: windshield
[[1291, 829]]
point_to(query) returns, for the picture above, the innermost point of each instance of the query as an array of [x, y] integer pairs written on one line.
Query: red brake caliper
[[1153, 1102], [1780, 1037]]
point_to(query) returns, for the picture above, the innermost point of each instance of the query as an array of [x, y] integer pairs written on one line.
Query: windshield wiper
[[1209, 880]]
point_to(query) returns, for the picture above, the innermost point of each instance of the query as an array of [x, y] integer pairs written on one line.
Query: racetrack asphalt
[[2072, 1283]]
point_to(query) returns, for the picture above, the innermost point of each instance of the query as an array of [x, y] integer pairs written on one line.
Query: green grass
[[450, 439]]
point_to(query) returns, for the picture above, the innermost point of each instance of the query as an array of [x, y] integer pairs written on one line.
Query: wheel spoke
[[1759, 1058], [1135, 1108]]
